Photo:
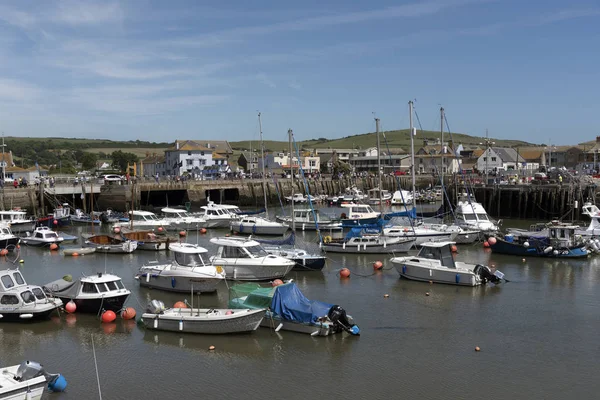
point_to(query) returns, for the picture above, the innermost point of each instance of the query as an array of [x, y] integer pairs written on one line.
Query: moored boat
[[181, 219], [42, 236], [17, 220], [28, 381], [110, 244], [307, 220], [258, 226], [148, 239], [356, 241]]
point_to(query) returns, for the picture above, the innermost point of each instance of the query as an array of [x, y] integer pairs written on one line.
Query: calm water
[[538, 335]]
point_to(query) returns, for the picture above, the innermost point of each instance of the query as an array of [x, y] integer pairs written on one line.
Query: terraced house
[[197, 158]]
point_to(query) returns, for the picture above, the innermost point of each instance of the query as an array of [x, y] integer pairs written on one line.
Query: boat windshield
[[18, 278], [39, 294], [257, 251], [189, 260], [482, 217], [7, 281], [470, 217], [27, 297]]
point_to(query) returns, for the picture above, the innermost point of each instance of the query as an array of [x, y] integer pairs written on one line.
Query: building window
[[493, 158], [189, 162], [189, 153], [484, 158], [312, 163], [201, 153]]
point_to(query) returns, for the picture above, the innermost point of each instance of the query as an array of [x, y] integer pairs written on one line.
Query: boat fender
[[58, 384], [148, 277], [180, 324], [404, 269], [526, 244], [173, 282], [565, 252], [555, 252], [241, 228], [327, 239], [156, 322], [457, 278], [548, 249], [254, 229]]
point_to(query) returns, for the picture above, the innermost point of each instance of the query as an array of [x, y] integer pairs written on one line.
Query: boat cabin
[[12, 216], [5, 230], [15, 290], [438, 251], [239, 248], [44, 233], [144, 216], [308, 216], [562, 234], [189, 255], [101, 283], [176, 213], [217, 210], [357, 211], [591, 210], [471, 212], [62, 211]]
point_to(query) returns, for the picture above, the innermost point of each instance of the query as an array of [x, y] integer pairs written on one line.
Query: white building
[[310, 163], [496, 159], [187, 156], [341, 154]]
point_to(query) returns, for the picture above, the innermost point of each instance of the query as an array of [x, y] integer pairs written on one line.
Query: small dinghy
[[290, 310], [91, 294], [82, 251], [197, 320], [28, 381], [110, 244]]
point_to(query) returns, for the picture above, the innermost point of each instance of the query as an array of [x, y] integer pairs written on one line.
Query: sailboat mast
[[290, 136], [412, 149], [442, 148], [262, 156], [379, 165], [92, 203]]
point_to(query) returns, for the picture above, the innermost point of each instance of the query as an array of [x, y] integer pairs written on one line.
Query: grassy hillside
[[399, 138]]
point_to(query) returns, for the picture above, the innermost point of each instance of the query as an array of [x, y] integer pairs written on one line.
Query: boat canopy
[[289, 303], [438, 251], [289, 241]]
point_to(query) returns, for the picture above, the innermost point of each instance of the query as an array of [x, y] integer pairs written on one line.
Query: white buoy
[[155, 323], [548, 249], [180, 324], [526, 244], [279, 327]]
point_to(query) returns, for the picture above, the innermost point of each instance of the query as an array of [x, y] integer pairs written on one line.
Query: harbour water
[[538, 336]]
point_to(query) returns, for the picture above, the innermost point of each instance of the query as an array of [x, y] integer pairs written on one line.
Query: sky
[[166, 70]]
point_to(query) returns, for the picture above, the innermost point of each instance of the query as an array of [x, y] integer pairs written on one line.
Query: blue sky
[[160, 71]]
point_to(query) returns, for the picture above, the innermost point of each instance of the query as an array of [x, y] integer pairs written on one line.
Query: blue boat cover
[[358, 232], [291, 305], [289, 241]]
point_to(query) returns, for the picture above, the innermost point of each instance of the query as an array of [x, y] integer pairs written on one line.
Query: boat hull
[[32, 389], [218, 223], [40, 243], [368, 248], [259, 230], [310, 263], [467, 237], [80, 252], [95, 305], [349, 223], [4, 243], [8, 316], [178, 283], [516, 249], [22, 227], [240, 272], [436, 275], [238, 322]]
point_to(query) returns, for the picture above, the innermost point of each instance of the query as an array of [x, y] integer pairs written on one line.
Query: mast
[[3, 161], [487, 155], [413, 133], [262, 156], [132, 203], [443, 150], [379, 165], [290, 136], [92, 203]]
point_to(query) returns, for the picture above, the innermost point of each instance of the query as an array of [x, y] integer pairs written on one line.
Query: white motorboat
[[471, 215], [7, 239], [17, 221], [463, 236], [219, 215], [181, 219], [590, 209], [211, 321], [435, 263], [297, 198], [91, 294], [258, 226], [375, 195], [22, 302], [353, 194], [304, 220], [358, 242], [420, 233], [190, 271], [28, 381], [144, 219], [245, 259], [42, 236], [80, 217], [358, 214], [402, 197]]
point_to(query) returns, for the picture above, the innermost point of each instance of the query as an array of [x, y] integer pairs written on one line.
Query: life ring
[[327, 239]]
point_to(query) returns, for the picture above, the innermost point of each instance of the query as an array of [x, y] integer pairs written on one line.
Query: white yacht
[[421, 233], [297, 198], [304, 220], [181, 219], [144, 219], [191, 270], [17, 221], [258, 226], [435, 263], [353, 194], [22, 302], [245, 259], [358, 214], [376, 194], [219, 215], [402, 197], [471, 215]]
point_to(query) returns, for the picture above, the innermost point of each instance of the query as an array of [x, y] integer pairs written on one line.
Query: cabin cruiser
[[471, 215], [28, 381], [304, 220], [181, 219], [143, 219], [435, 263], [402, 198], [353, 194], [7, 239], [190, 270], [17, 221], [91, 294], [245, 259], [42, 236], [420, 233], [360, 241], [258, 226], [375, 195], [219, 215], [297, 198], [22, 302], [358, 214], [285, 248]]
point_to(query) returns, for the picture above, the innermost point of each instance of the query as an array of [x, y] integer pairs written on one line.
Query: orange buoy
[[75, 254], [55, 222], [182, 233], [203, 231], [492, 241], [377, 265], [71, 307], [453, 248], [53, 246], [128, 313], [486, 244], [344, 272], [277, 282], [477, 348], [108, 316], [180, 304], [3, 252], [117, 229]]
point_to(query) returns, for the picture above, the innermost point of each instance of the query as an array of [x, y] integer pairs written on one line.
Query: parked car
[[112, 178]]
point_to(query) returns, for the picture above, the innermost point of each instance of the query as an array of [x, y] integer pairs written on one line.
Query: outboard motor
[[104, 218], [30, 369], [337, 315], [485, 273], [155, 307]]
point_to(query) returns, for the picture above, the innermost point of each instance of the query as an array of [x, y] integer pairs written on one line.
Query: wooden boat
[[110, 244], [199, 320], [28, 381], [148, 239]]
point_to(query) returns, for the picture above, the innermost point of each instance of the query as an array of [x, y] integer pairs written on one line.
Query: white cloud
[[264, 79], [13, 90], [87, 13], [295, 85]]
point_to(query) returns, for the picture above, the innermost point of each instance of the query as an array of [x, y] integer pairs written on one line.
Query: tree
[[121, 159], [341, 167], [88, 160]]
